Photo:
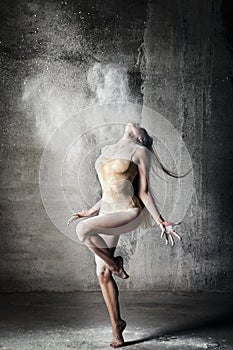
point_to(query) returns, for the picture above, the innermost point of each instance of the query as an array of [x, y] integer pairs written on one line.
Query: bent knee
[[102, 271], [82, 231], [104, 276]]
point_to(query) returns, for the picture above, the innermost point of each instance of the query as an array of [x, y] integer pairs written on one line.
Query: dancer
[[123, 172]]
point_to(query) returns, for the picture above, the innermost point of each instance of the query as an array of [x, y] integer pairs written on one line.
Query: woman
[[123, 171]]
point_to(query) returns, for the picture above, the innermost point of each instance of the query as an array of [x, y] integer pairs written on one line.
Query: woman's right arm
[[85, 212], [95, 207]]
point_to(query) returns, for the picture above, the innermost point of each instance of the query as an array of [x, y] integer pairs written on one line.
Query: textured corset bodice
[[116, 175]]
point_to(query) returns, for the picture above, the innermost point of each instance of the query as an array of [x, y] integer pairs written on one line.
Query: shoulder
[[142, 155], [103, 148]]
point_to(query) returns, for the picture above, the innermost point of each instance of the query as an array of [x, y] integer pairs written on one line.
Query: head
[[138, 134]]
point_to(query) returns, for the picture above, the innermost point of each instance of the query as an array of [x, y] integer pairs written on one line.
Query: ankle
[[117, 323], [114, 266]]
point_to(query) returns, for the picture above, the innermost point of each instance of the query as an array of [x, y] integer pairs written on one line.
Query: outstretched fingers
[[71, 219], [177, 235], [176, 223], [168, 231], [163, 230], [172, 240]]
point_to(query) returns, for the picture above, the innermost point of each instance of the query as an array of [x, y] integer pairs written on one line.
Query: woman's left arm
[[145, 196]]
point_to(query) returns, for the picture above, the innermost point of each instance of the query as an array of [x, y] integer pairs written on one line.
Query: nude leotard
[[116, 175]]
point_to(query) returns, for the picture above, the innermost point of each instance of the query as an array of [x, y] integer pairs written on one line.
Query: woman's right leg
[[110, 292], [113, 224]]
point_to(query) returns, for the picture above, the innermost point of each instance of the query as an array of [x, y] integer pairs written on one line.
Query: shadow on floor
[[216, 322]]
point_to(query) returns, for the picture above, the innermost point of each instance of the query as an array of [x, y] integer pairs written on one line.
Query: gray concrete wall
[[178, 54]]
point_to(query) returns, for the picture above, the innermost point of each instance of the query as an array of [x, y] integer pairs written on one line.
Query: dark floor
[[80, 321]]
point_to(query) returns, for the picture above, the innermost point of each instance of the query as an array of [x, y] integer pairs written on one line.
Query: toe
[[116, 343]]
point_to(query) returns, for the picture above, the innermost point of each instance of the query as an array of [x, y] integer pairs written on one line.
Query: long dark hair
[[148, 142]]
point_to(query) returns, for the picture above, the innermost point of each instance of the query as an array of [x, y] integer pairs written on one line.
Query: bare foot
[[119, 270], [118, 338]]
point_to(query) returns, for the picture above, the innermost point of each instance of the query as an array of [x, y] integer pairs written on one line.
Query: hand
[[168, 231], [80, 214]]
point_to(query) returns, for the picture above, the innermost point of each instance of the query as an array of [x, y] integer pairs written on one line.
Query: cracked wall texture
[[172, 56]]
